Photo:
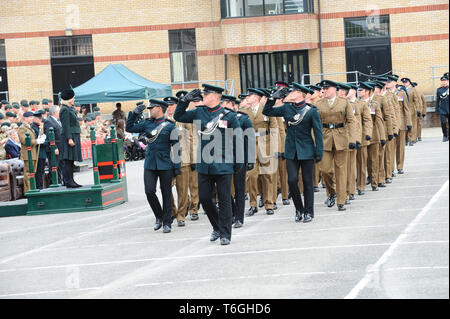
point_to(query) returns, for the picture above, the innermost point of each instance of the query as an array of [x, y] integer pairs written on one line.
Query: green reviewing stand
[[109, 188]]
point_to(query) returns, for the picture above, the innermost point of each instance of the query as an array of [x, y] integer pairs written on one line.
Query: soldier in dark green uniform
[[301, 149], [442, 106], [219, 164], [162, 135]]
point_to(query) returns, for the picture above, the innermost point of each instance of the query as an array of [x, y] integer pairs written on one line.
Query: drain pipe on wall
[[320, 39]]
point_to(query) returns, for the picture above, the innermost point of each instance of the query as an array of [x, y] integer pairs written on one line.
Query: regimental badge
[[354, 110], [154, 132], [296, 117]]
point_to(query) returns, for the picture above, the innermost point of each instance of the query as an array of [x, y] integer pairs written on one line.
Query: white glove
[[41, 139]]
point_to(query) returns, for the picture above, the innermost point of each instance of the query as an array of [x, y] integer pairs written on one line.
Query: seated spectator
[[12, 146]]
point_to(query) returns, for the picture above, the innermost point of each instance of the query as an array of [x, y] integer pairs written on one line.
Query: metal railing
[[6, 93], [316, 78], [228, 85]]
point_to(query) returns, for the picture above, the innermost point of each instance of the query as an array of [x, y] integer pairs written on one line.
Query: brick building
[[45, 45]]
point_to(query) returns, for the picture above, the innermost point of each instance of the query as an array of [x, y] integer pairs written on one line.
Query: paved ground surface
[[389, 244]]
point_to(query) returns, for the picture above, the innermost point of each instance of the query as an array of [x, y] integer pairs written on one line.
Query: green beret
[[10, 114], [47, 109], [6, 124], [24, 103], [8, 107], [1, 116], [4, 102], [96, 109], [16, 106]]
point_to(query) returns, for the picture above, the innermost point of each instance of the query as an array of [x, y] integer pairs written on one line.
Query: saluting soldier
[[301, 150], [336, 114], [239, 178], [442, 106], [181, 181], [378, 136], [265, 129], [414, 108], [220, 158], [161, 158]]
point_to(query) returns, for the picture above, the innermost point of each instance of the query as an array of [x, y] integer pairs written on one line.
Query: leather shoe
[[308, 218], [298, 216], [316, 189], [181, 223], [238, 224], [252, 211], [214, 236], [158, 224], [388, 181], [347, 202], [360, 192], [224, 241], [341, 208], [351, 197], [331, 201], [167, 229], [261, 202], [381, 185], [194, 217], [400, 171], [275, 207], [270, 212], [375, 188], [368, 181], [286, 202], [72, 185]]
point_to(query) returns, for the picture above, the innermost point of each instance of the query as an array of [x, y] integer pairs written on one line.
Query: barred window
[[71, 46], [367, 27]]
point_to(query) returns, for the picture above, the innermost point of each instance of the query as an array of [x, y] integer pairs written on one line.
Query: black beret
[[298, 87], [392, 78], [67, 94], [27, 114], [365, 86], [160, 103], [181, 93], [314, 87], [404, 80], [255, 91], [47, 109], [207, 88], [23, 103], [229, 98], [328, 83], [170, 100], [8, 107], [444, 78]]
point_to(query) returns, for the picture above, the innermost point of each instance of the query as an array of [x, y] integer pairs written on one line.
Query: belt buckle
[[331, 126]]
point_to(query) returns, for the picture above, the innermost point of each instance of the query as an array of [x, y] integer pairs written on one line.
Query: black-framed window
[[2, 50], [256, 8], [71, 46], [183, 55], [262, 70], [367, 27]]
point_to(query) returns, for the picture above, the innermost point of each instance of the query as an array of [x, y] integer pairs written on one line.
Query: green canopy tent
[[118, 83]]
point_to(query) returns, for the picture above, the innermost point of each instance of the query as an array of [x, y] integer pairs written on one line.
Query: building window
[[183, 55], [367, 27], [256, 8], [262, 70], [71, 46], [2, 50]]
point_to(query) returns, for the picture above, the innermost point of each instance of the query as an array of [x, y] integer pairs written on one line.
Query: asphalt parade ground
[[393, 243]]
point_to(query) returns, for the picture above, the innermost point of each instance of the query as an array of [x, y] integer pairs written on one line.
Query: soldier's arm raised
[[132, 126], [269, 110]]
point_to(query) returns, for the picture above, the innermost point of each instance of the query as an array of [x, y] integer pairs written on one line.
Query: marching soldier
[[377, 138], [301, 150], [162, 136], [264, 129], [182, 180], [218, 166], [239, 178], [337, 115], [388, 117], [422, 113], [442, 106], [415, 107], [315, 97]]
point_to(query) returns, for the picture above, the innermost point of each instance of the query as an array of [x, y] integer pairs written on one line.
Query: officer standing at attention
[[216, 166], [442, 106], [339, 136], [423, 112], [160, 160], [264, 127], [71, 141], [239, 177], [301, 150]]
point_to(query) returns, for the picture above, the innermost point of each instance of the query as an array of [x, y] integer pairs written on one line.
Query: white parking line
[[383, 259], [46, 292], [238, 253]]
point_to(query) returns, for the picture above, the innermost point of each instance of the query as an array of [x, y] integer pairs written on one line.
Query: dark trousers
[[238, 204], [221, 220], [444, 122], [59, 167], [68, 172], [165, 180], [307, 167], [40, 172]]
